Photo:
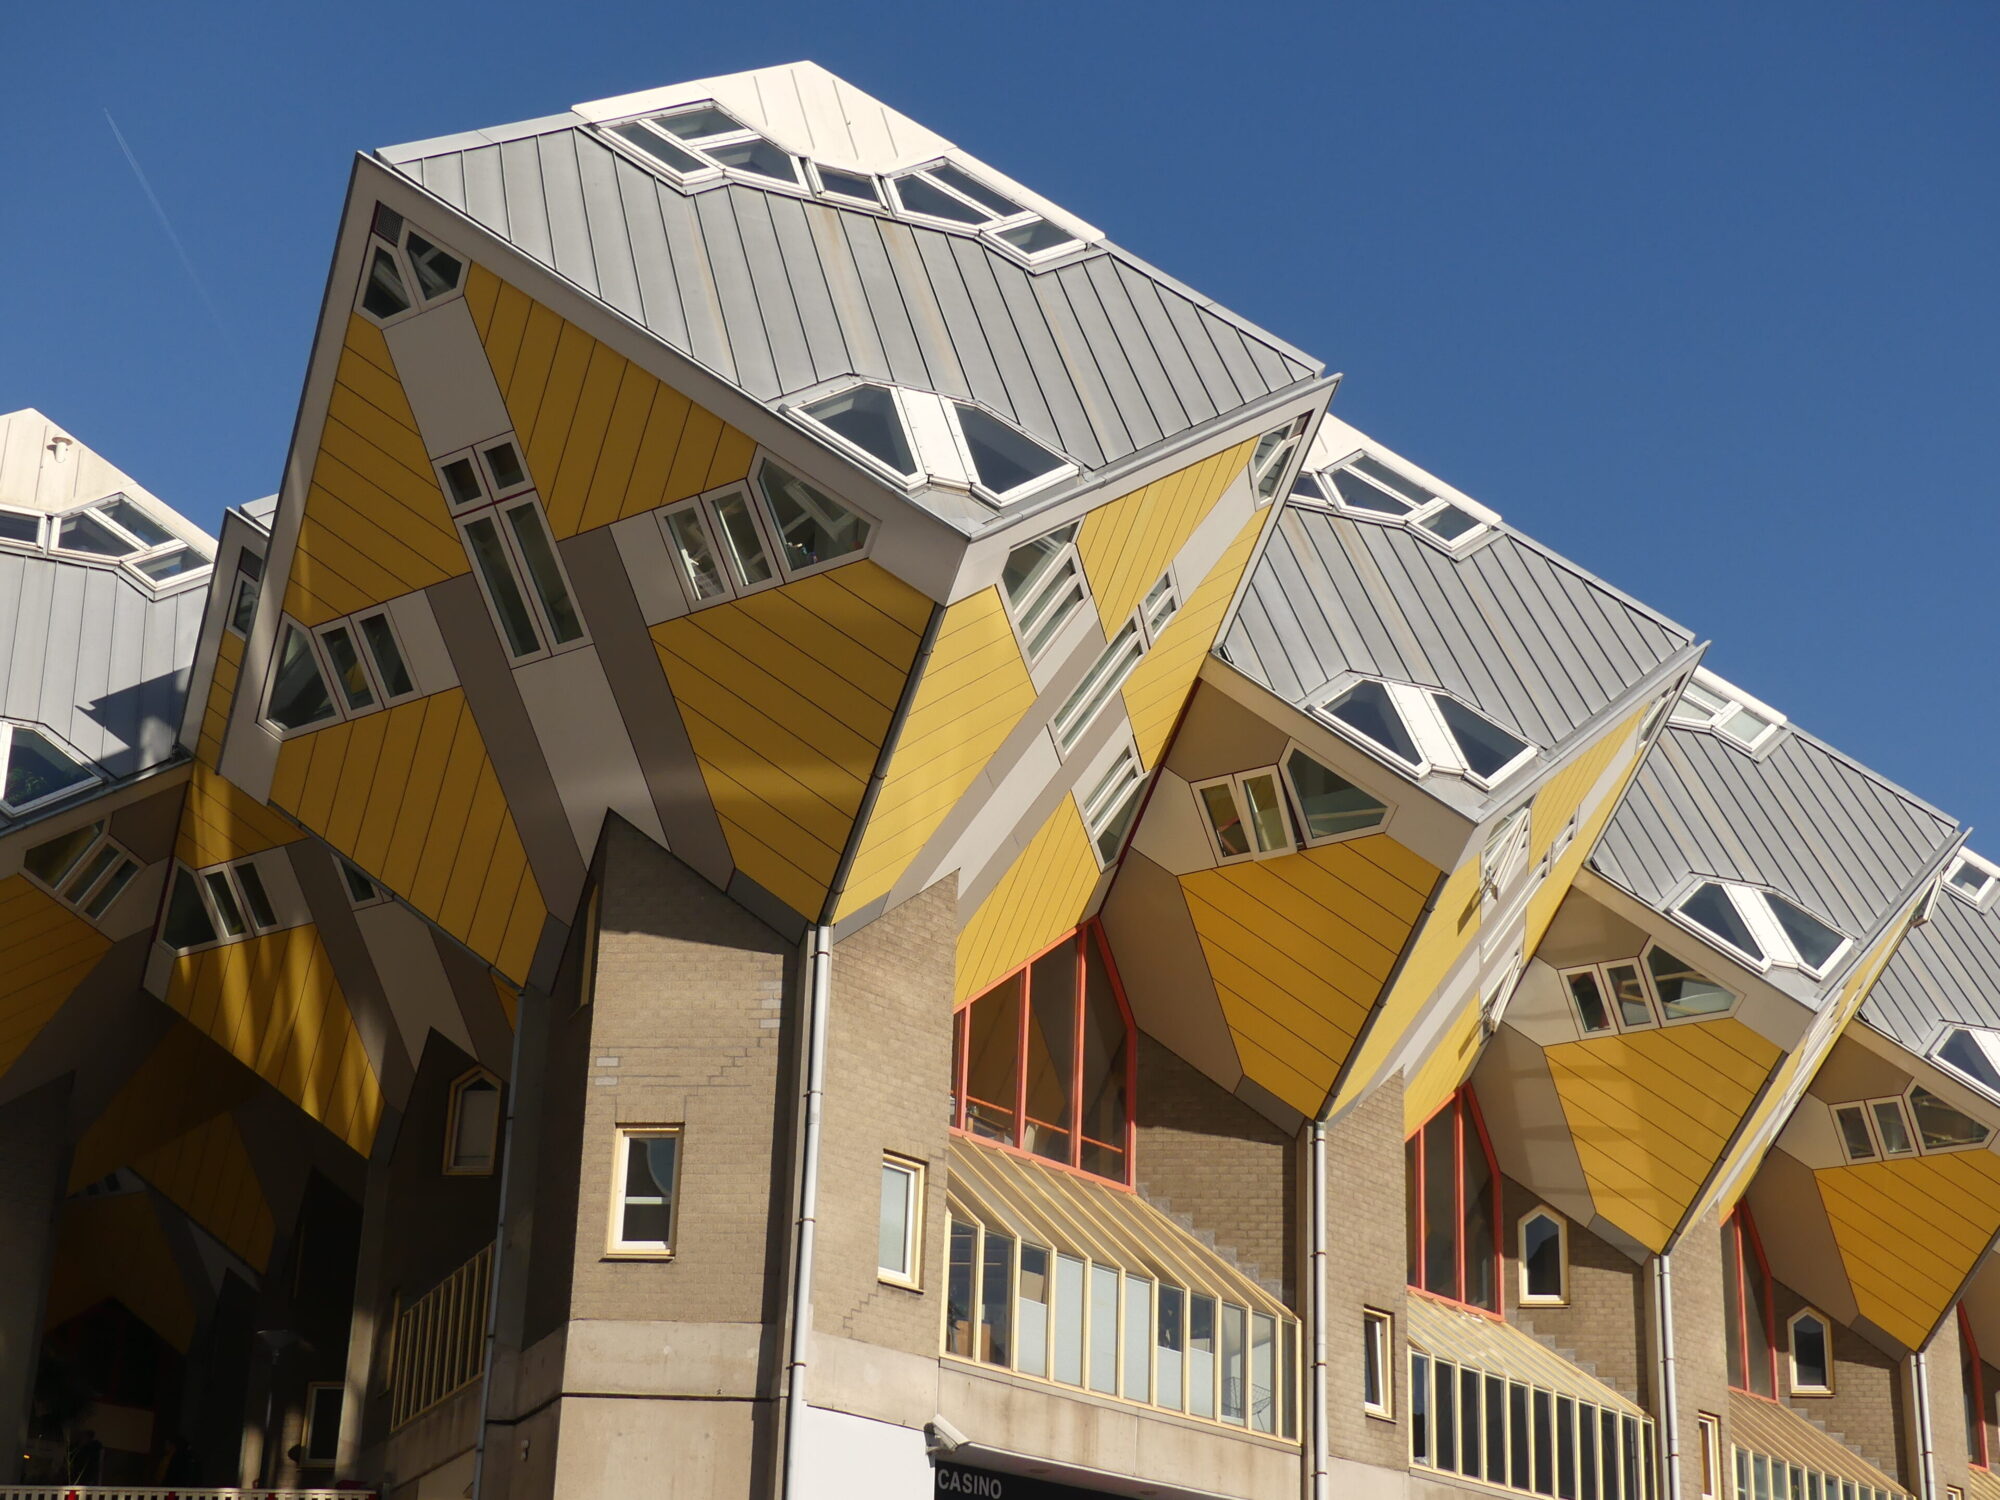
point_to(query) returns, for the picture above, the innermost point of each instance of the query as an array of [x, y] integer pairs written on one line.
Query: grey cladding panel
[[1945, 972]]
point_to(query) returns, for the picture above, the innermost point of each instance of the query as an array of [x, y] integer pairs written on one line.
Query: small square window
[[899, 1228], [644, 1187]]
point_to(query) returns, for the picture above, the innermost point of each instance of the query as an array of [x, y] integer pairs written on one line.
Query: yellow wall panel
[[1299, 948], [1042, 896], [1559, 801], [221, 695], [1127, 544], [219, 821], [45, 952], [185, 1080], [788, 695], [1910, 1233], [375, 523], [602, 438], [274, 1004], [1651, 1113], [116, 1248], [411, 797], [207, 1174], [974, 690], [1159, 686]]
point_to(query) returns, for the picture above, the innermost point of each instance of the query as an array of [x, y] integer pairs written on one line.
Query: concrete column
[[34, 1161]]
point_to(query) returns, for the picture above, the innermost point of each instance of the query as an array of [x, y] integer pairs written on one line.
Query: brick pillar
[[34, 1159]]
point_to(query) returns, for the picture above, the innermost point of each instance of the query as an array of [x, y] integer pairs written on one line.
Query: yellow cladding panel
[[220, 822], [273, 1003], [1041, 897], [1158, 687], [410, 795], [184, 1081], [1652, 1111], [45, 952], [787, 696], [207, 1174], [375, 524], [221, 694], [974, 689], [1557, 803], [1127, 544], [602, 438], [115, 1247], [1299, 948], [1910, 1233]]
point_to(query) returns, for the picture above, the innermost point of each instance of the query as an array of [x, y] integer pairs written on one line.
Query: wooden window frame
[[617, 1247], [913, 1173], [1378, 1347], [1533, 1299], [1792, 1382], [454, 1097]]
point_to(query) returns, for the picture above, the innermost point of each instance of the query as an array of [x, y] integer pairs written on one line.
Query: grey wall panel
[[776, 303], [963, 327], [1124, 289], [1208, 362], [1026, 402], [527, 210], [1099, 405], [865, 354], [445, 176], [818, 319], [1099, 275], [569, 228], [1076, 433], [920, 302], [884, 300], [701, 304], [742, 319], [610, 237], [485, 188], [652, 261]]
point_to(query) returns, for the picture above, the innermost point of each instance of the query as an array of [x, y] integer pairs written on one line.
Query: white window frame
[[93, 777], [1436, 748], [1792, 1382], [617, 1247], [993, 225], [935, 436], [1647, 988], [1503, 861], [398, 252], [1160, 607], [1984, 1038], [1378, 1344], [380, 896], [1708, 1428], [1967, 860], [123, 868], [499, 512], [371, 669], [711, 170], [14, 544], [815, 173], [226, 873], [1063, 567], [1483, 518], [452, 1122], [702, 508], [767, 519], [142, 550], [1240, 795], [1275, 463], [1525, 1297], [254, 584], [1299, 825], [1724, 701], [913, 1172], [1117, 786], [1093, 694], [1764, 926], [311, 1427], [317, 650], [1906, 1109]]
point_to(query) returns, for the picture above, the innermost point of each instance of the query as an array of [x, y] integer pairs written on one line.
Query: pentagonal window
[[1544, 1256], [37, 771]]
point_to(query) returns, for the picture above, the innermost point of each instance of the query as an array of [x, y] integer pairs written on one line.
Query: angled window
[[1973, 1053], [1113, 801], [1364, 485], [84, 868], [900, 1223], [866, 418], [1329, 806], [1809, 1338], [1272, 456], [514, 558], [321, 1439], [299, 695], [1158, 608], [1683, 993], [1857, 1139], [920, 437], [1912, 1123], [1973, 1384], [384, 293], [812, 528], [1044, 586], [1368, 710], [1970, 877], [361, 891], [37, 770], [1106, 675], [403, 268], [117, 529], [706, 141], [838, 182], [1005, 463], [1749, 1329], [645, 1184], [948, 194], [1710, 909], [1762, 927], [1544, 1255], [350, 678], [472, 1127], [20, 527], [1940, 1126], [188, 924], [221, 904], [1454, 1206], [1245, 815], [1484, 748], [385, 654], [1708, 702], [1426, 730], [1636, 996], [243, 599], [691, 540]]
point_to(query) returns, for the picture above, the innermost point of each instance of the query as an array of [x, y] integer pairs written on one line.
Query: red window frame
[[1091, 932], [1463, 1105], [1975, 1390], [1740, 1230]]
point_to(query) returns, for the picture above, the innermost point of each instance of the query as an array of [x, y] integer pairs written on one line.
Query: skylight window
[[1970, 877], [837, 182], [404, 269], [1005, 463], [1973, 1053], [1364, 485], [866, 416], [38, 771], [951, 195], [1762, 927], [23, 526], [706, 141], [1707, 702], [116, 529], [1425, 730], [918, 436]]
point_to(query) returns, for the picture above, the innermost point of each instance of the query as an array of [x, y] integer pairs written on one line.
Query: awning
[[1496, 1348], [1778, 1432]]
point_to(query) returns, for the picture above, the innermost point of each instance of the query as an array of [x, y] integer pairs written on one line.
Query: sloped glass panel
[[1710, 907], [698, 560], [1037, 236], [1483, 745], [37, 770], [385, 295], [812, 527], [1367, 709], [174, 564], [1854, 1132], [740, 536], [388, 656], [1383, 475], [438, 271], [1219, 802], [1961, 1049], [1002, 459], [262, 913], [758, 157], [187, 924], [1630, 993], [1308, 487], [1815, 941], [960, 181], [83, 532], [849, 184], [532, 537], [18, 526], [1448, 523], [123, 513], [1590, 1009], [299, 693], [1682, 991], [867, 417], [698, 124], [919, 195], [348, 672], [108, 892], [1889, 1125], [489, 552], [1359, 494], [1943, 1127], [659, 148], [49, 862]]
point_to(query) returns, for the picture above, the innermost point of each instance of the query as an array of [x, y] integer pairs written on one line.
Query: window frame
[[116, 875], [711, 170], [397, 247], [130, 563], [1239, 793], [1905, 1107], [1523, 1297], [1465, 1105], [1764, 926], [616, 1247], [499, 512], [1277, 462], [933, 429], [1437, 748], [1792, 1382], [1412, 519], [1729, 701], [1378, 1347], [1108, 673], [92, 773], [455, 1096], [1648, 988], [1966, 859], [914, 1175], [1972, 1383], [1064, 565], [1741, 1230], [992, 227], [311, 1424], [1708, 1427], [1108, 803], [227, 872], [364, 650], [1300, 825], [42, 530], [774, 535]]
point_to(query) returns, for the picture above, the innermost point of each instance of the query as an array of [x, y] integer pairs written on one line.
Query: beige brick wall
[[1366, 1265], [1701, 1358], [1866, 1409], [1603, 1325]]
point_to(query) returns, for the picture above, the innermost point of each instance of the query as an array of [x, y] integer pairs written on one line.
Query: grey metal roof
[[1519, 633], [1946, 971], [1800, 818], [1099, 357], [92, 655]]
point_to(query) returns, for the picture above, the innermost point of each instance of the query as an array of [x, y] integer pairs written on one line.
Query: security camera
[[941, 1437]]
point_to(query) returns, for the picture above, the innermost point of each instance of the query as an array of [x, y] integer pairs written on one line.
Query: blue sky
[[1702, 295]]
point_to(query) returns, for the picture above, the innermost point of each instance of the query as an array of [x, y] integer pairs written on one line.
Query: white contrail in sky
[[167, 224]]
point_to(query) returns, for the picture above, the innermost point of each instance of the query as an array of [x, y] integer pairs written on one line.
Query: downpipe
[[798, 1357], [492, 1336], [1322, 1445], [1920, 1402], [1669, 1375]]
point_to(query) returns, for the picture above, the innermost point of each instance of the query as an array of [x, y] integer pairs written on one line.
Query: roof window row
[[1761, 927], [1707, 702], [1424, 730], [1639, 995], [85, 868], [1909, 1124], [112, 530], [705, 143], [1970, 877], [918, 438], [1362, 485]]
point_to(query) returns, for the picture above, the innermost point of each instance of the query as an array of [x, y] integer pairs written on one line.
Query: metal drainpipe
[[1920, 1398], [492, 1335], [1322, 1447], [820, 965], [1670, 1396]]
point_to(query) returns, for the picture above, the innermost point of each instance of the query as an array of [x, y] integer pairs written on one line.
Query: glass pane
[[124, 513], [740, 538], [388, 656], [1545, 1469], [476, 1132], [173, 564], [17, 527], [1031, 1334], [1106, 675], [1104, 1330], [1440, 1196], [1138, 1372], [1267, 813], [812, 527], [867, 417], [437, 271], [1052, 609], [849, 184], [1470, 1450], [1814, 941], [49, 862], [1895, 1134], [538, 552], [1710, 907], [385, 295], [461, 482], [892, 1229], [1366, 707], [1069, 1319], [1263, 1373], [1233, 1382], [348, 673], [1483, 745], [1631, 1456], [1757, 1322], [359, 887], [505, 464], [1330, 804], [90, 873], [37, 770], [187, 924], [1481, 1233], [1496, 1429], [1103, 1066], [1358, 494], [1399, 484], [1854, 1133], [1002, 459], [697, 124], [964, 182], [1219, 802], [1448, 522], [993, 1050], [1420, 1409], [919, 195], [1541, 1256], [83, 532], [1201, 1355], [262, 915], [1732, 1304], [649, 1184], [1630, 993], [1809, 1361], [659, 149], [1030, 562], [1682, 991], [1519, 1470], [1941, 1126], [1744, 726], [758, 157], [1307, 487], [1051, 1059], [244, 610], [958, 1289], [996, 1300], [689, 539], [299, 694], [1589, 1002], [1169, 1346], [1036, 237], [497, 570], [1962, 1050], [1566, 1447]]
